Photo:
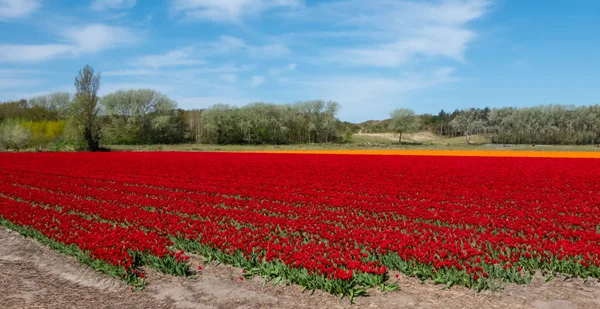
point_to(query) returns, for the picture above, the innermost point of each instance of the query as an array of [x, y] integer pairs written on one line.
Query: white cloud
[[227, 68], [90, 38], [394, 33], [32, 53], [131, 72], [257, 80], [13, 72], [230, 78], [288, 68], [11, 83], [268, 51], [361, 89], [100, 5], [172, 58], [18, 8], [228, 44], [370, 96], [96, 37], [229, 10], [433, 42]]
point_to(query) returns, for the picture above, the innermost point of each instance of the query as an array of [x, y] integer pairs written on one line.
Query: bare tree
[[85, 108], [402, 120]]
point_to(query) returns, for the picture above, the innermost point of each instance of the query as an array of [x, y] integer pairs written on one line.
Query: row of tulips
[[331, 222]]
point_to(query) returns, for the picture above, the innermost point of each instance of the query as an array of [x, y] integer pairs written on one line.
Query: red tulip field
[[332, 222]]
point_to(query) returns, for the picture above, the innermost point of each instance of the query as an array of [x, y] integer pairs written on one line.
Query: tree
[[13, 135], [138, 116], [467, 122], [59, 102], [85, 107], [402, 120]]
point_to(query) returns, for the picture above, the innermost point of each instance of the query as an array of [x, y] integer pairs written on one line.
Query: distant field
[[417, 141]]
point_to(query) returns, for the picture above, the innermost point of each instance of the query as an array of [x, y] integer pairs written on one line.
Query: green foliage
[[44, 132], [261, 123], [49, 107], [148, 117], [551, 124], [403, 120], [467, 122], [277, 272], [83, 257], [84, 110], [546, 124], [141, 116]]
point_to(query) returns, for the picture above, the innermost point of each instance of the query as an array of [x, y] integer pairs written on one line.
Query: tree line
[[144, 116], [545, 124], [262, 123]]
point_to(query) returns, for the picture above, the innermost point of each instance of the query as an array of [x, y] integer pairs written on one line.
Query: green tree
[[139, 115], [85, 107], [402, 120]]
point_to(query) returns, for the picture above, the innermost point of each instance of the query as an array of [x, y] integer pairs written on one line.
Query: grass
[[375, 142]]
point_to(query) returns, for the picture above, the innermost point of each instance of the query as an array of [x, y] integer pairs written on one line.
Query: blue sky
[[370, 56]]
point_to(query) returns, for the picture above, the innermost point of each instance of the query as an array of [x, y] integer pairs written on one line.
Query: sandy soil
[[34, 276]]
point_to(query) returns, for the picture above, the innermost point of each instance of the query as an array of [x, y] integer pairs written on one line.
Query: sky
[[371, 56]]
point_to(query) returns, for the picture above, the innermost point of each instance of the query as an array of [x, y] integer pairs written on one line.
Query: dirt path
[[34, 276]]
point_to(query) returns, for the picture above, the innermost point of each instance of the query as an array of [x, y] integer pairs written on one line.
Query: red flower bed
[[332, 222]]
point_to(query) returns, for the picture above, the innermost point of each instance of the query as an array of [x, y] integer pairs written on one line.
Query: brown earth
[[34, 276]]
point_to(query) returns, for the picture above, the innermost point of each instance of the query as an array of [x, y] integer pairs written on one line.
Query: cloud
[[368, 97], [432, 42], [268, 51], [227, 72], [11, 83], [14, 79], [32, 53], [96, 37], [100, 5], [288, 68], [226, 68], [257, 80], [18, 8], [229, 10], [230, 78], [130, 72], [394, 33], [228, 44], [85, 39], [172, 58]]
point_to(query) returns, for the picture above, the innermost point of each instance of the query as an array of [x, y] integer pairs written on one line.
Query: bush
[[13, 135], [44, 132]]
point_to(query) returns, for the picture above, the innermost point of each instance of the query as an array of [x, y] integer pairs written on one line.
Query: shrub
[[13, 135]]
